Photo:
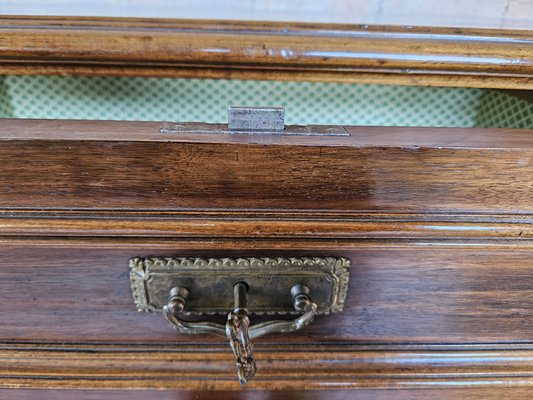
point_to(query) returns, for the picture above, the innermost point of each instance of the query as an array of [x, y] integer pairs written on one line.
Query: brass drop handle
[[185, 287], [237, 328]]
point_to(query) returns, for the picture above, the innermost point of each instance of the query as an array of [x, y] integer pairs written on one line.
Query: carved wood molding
[[267, 50], [289, 367], [206, 224]]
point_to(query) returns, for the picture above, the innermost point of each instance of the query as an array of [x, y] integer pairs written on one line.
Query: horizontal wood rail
[[488, 58], [273, 225], [294, 367]]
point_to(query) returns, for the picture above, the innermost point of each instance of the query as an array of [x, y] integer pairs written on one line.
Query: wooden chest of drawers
[[436, 223]]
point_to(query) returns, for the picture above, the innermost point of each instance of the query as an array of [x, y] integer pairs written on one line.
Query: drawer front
[[417, 315], [133, 166], [437, 226], [405, 293]]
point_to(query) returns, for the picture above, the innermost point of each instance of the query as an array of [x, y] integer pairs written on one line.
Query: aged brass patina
[[181, 287]]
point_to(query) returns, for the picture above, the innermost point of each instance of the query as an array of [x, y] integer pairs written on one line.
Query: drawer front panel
[[79, 290], [95, 165]]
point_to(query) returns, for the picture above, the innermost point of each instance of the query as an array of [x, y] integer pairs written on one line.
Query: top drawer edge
[[312, 135]]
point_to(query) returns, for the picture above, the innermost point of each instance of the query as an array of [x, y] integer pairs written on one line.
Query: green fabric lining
[[500, 110], [154, 99], [6, 103]]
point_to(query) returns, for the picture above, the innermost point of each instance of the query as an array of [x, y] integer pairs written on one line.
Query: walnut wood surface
[[353, 136], [262, 224], [418, 170], [437, 224], [438, 292], [355, 367], [267, 50]]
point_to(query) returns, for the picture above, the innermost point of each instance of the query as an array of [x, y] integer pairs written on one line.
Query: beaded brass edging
[[149, 277]]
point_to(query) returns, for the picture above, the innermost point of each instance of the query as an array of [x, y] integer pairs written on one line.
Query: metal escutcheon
[[239, 287]]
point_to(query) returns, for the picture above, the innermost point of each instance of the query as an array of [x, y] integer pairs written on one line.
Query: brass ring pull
[[237, 329]]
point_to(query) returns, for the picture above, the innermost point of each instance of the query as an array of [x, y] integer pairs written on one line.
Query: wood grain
[[261, 50], [261, 225], [288, 369], [427, 171], [438, 292], [437, 224]]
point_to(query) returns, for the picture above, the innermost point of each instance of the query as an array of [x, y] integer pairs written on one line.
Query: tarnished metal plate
[[210, 282], [264, 119], [199, 128]]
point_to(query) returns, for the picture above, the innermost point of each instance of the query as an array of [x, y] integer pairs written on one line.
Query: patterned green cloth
[[151, 99]]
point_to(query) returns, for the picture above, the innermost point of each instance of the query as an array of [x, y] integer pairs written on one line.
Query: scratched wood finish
[[396, 170], [267, 50]]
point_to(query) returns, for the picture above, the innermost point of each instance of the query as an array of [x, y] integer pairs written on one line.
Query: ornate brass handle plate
[[182, 288]]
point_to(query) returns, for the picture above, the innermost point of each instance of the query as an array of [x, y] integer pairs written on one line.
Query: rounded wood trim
[[321, 367], [267, 50]]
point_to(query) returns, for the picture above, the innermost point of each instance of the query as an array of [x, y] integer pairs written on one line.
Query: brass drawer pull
[[181, 287], [238, 329]]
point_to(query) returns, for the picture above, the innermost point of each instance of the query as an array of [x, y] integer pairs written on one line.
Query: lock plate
[[210, 282]]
